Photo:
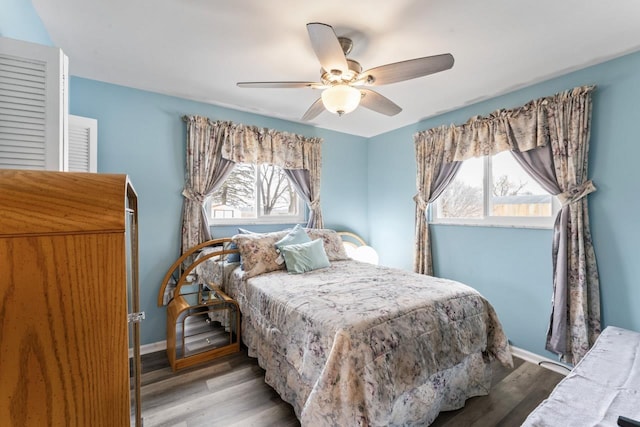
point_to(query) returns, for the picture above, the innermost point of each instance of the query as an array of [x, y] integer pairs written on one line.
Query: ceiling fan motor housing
[[332, 77]]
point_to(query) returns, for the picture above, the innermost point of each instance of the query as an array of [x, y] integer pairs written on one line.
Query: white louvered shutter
[[83, 144], [33, 106]]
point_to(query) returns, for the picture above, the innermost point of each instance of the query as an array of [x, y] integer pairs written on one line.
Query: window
[[495, 190], [256, 194]]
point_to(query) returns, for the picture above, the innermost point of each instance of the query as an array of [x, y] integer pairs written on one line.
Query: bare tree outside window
[[504, 186], [252, 192], [461, 200], [276, 191]]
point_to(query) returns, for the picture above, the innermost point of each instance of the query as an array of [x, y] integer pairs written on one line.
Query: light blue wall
[[512, 267], [19, 20], [141, 134]]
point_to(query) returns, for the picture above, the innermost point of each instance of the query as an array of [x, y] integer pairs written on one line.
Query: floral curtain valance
[[250, 144], [517, 129]]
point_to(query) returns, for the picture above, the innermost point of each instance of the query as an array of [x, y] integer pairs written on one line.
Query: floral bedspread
[[357, 344]]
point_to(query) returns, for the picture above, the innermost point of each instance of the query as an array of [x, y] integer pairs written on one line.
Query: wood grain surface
[[42, 202], [63, 336]]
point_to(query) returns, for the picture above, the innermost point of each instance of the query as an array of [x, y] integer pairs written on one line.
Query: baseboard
[[150, 348], [541, 361]]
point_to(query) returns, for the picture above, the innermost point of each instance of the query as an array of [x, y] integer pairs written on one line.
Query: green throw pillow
[[294, 237], [304, 257]]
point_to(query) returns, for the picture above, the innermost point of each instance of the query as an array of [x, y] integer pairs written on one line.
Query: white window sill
[[493, 224], [279, 221]]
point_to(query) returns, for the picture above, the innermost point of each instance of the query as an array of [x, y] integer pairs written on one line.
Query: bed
[[359, 344]]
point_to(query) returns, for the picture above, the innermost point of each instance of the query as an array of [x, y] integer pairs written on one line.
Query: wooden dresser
[[68, 281]]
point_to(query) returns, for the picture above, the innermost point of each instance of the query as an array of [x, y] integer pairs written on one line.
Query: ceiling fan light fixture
[[341, 99]]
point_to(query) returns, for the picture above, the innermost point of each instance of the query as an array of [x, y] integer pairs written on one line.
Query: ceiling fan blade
[[407, 70], [313, 111], [275, 85], [327, 47], [376, 102]]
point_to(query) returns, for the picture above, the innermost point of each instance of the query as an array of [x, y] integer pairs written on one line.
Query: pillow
[[234, 257], [258, 252], [294, 237], [303, 257], [333, 245]]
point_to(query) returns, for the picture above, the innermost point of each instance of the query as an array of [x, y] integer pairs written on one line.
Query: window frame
[[495, 221], [301, 217]]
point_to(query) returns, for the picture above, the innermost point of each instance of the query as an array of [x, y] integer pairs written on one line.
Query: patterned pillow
[[258, 252], [333, 245]]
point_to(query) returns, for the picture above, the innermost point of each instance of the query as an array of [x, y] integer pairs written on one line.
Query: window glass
[[494, 190], [514, 192], [463, 196], [256, 194]]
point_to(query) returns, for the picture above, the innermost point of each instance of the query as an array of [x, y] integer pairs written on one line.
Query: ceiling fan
[[343, 82]]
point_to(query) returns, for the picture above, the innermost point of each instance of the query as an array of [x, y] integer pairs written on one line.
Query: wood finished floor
[[231, 391]]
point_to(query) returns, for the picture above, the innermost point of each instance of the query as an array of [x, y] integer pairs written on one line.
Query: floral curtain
[[433, 177], [561, 169], [312, 156], [561, 122], [301, 179], [213, 148], [206, 170], [575, 319]]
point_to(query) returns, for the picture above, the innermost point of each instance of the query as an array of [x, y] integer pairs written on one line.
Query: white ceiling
[[199, 49]]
